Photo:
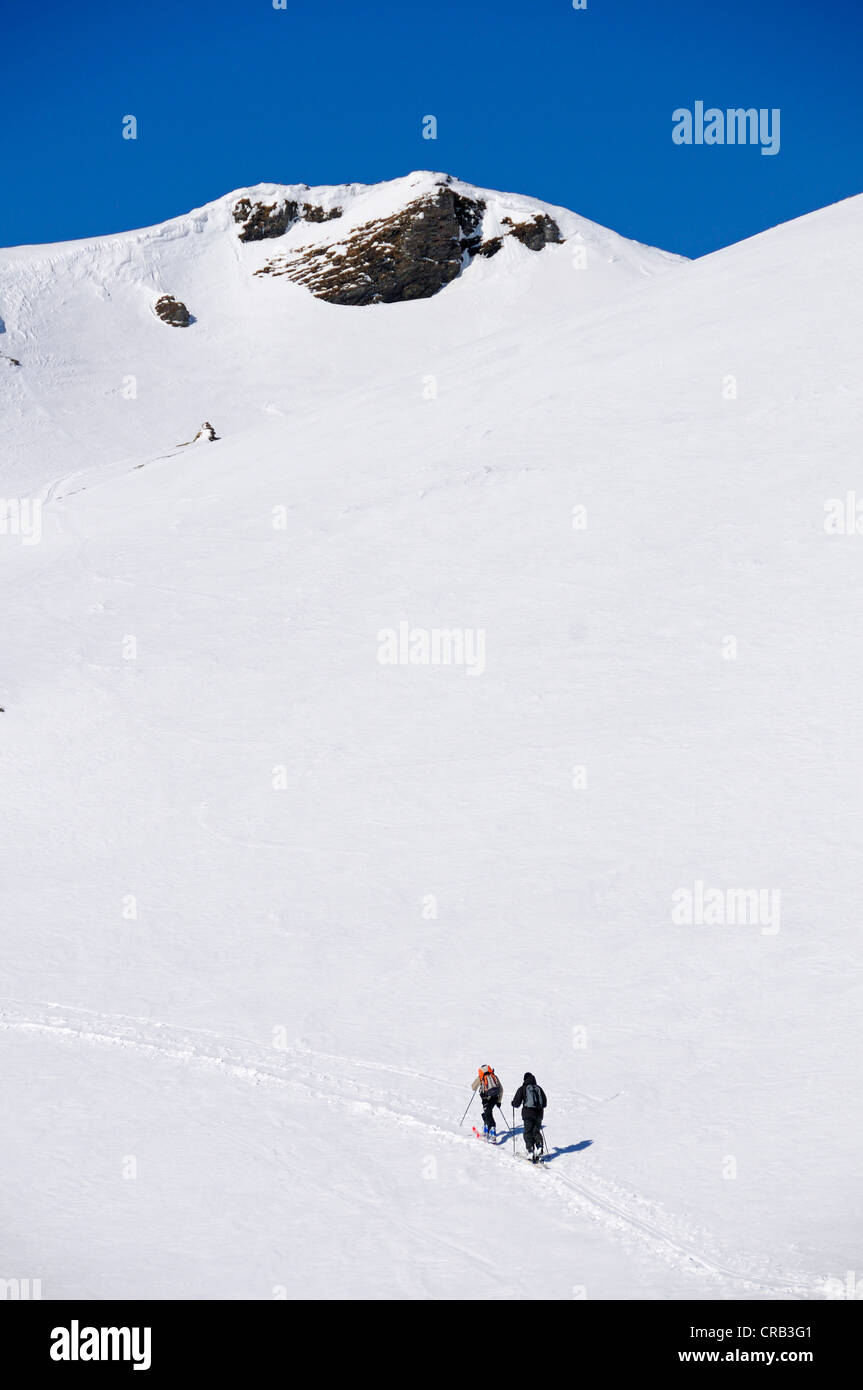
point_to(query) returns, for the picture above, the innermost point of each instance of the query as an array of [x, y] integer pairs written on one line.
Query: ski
[[496, 1141]]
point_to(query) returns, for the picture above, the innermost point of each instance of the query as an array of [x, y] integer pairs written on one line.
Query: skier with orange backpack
[[491, 1094]]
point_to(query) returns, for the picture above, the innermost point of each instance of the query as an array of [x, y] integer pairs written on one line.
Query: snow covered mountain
[[90, 322], [440, 703]]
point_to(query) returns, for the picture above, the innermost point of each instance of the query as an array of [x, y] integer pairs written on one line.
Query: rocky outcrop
[[206, 433], [411, 254], [313, 214], [172, 311], [260, 221], [539, 232], [469, 214], [491, 247]]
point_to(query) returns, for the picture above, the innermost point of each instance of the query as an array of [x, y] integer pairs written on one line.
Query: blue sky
[[531, 96]]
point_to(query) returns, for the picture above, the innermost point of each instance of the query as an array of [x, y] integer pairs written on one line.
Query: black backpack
[[533, 1096]]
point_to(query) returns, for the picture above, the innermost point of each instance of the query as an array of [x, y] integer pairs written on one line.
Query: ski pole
[[469, 1104], [513, 1131]]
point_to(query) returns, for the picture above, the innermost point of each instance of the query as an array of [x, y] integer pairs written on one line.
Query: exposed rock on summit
[[313, 214], [541, 231], [259, 221], [412, 253]]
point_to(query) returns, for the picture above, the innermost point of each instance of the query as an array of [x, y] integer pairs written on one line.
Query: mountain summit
[[384, 254], [401, 240], [216, 314]]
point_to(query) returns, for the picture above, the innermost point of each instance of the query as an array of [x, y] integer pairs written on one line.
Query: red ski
[[496, 1140]]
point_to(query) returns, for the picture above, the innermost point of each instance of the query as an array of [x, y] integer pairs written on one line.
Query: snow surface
[[248, 1083]]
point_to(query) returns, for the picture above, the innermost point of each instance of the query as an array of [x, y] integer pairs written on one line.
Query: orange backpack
[[489, 1081]]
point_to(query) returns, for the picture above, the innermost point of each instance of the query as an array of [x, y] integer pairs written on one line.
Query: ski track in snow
[[304, 1070]]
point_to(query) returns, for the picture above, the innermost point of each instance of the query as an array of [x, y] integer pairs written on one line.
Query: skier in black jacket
[[532, 1098]]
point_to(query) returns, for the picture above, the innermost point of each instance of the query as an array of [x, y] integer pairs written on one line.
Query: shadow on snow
[[550, 1154]]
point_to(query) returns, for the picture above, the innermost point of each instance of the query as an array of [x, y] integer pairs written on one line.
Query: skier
[[490, 1093], [533, 1099]]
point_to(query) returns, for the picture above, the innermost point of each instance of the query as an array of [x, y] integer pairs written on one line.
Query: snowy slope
[[281, 1029]]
